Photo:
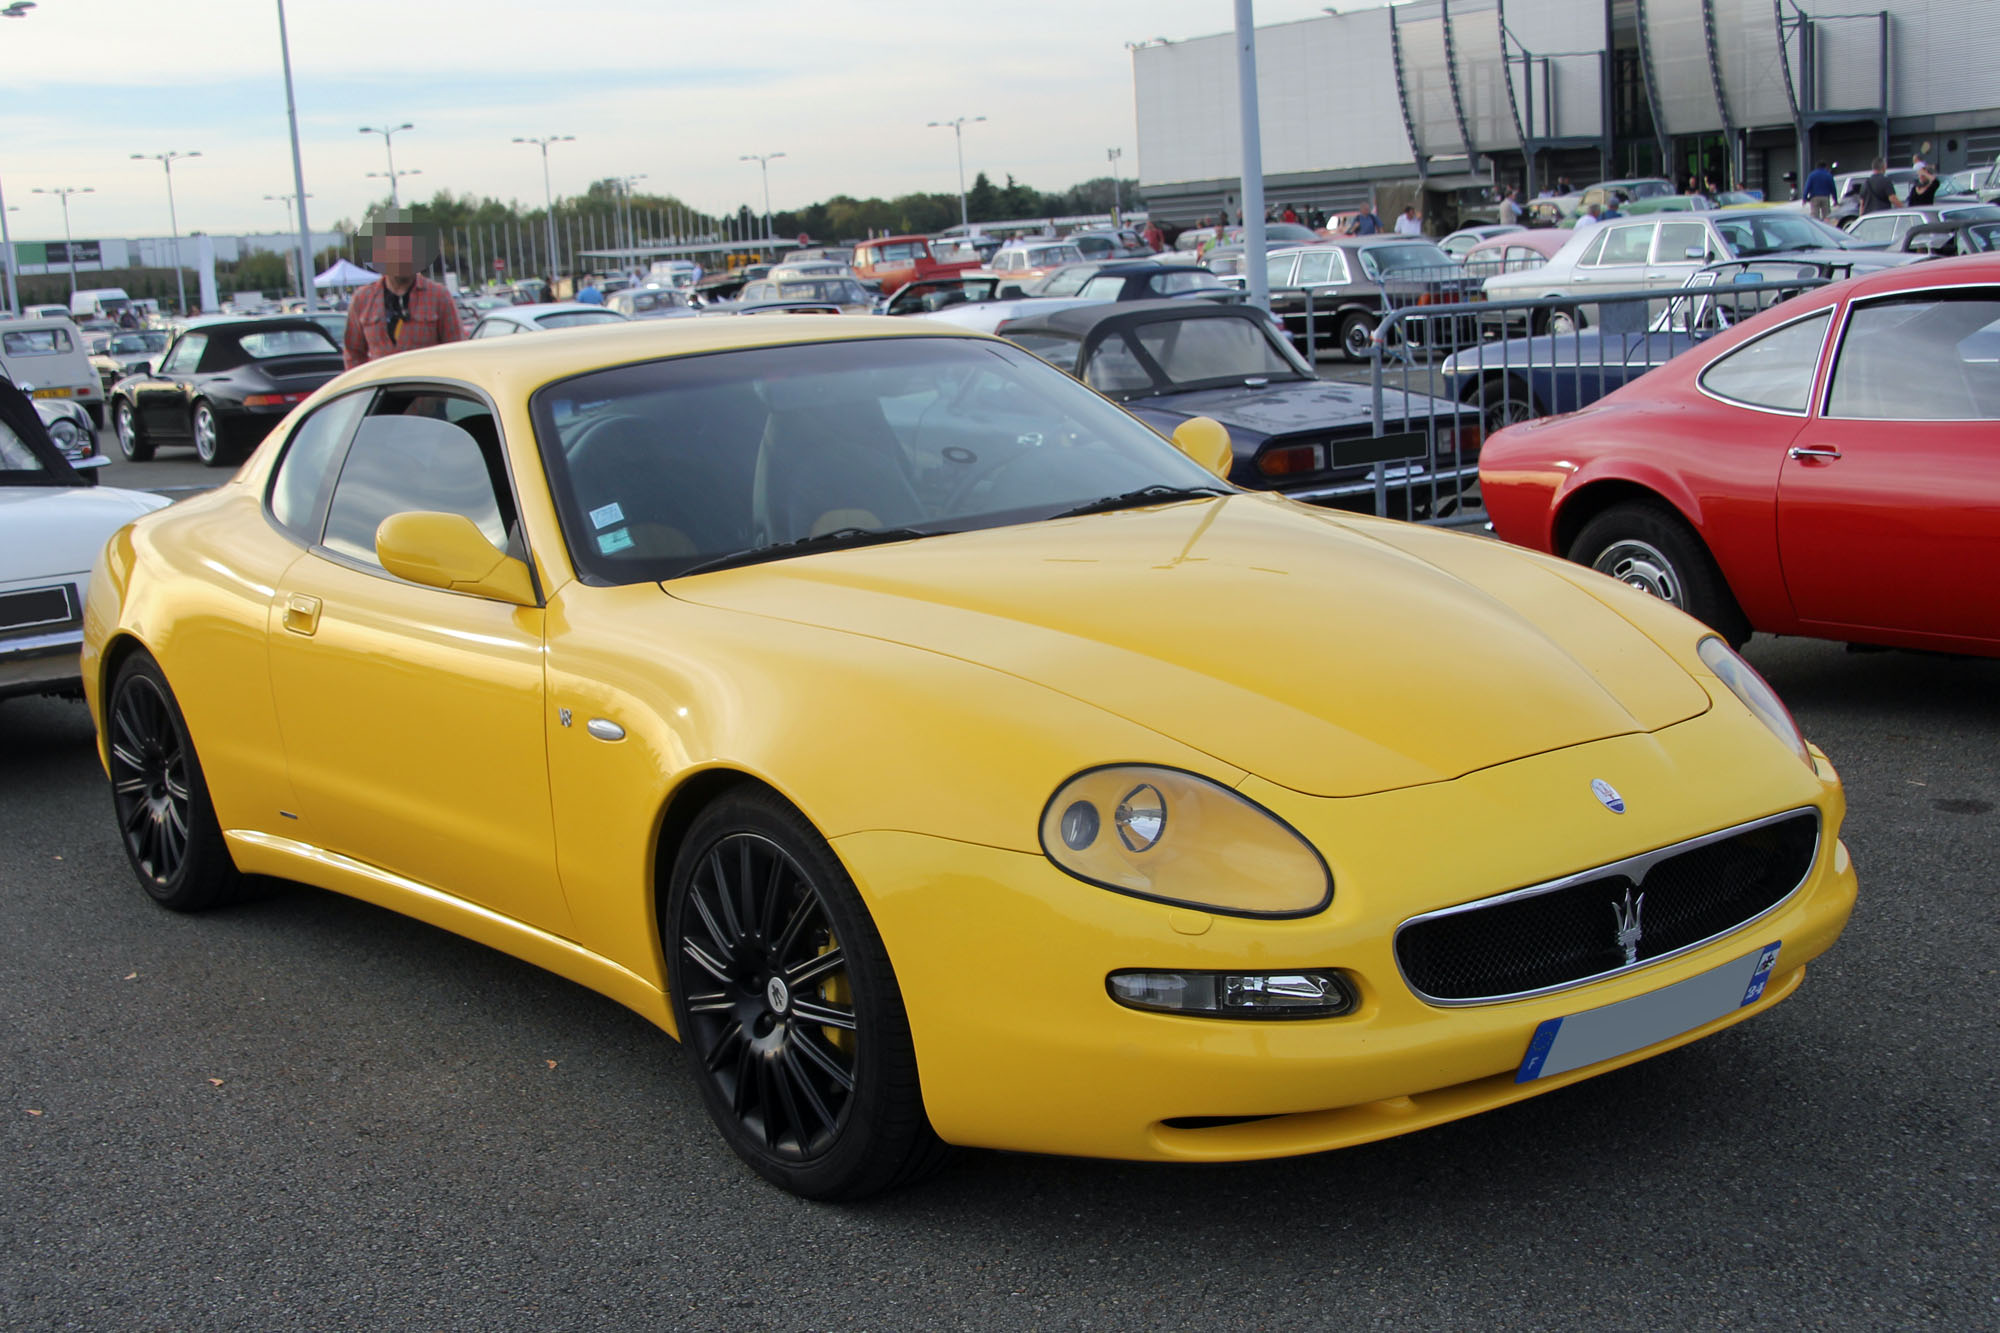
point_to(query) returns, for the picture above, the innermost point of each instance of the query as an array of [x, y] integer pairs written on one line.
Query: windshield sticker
[[605, 516], [618, 539]]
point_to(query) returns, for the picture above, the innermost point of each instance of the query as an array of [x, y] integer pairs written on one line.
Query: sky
[[677, 90]]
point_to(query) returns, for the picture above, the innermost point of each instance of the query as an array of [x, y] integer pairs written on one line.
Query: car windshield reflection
[[662, 467]]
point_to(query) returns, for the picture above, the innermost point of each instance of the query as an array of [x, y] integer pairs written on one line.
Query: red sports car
[[1829, 468]]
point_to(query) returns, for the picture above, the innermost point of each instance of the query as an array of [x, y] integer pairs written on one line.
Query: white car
[[543, 318], [53, 523], [50, 353]]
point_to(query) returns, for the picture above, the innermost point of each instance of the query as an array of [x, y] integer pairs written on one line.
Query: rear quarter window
[[1773, 372]]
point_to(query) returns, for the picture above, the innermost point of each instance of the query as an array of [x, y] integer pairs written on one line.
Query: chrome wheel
[[207, 435], [1357, 336], [1643, 566], [149, 781], [768, 1001], [125, 423], [1564, 320]]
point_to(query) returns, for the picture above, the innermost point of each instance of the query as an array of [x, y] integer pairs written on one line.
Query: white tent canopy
[[345, 274]]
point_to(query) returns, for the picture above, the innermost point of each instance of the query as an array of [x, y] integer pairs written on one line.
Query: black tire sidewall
[[207, 875], [141, 449], [884, 1119], [1348, 323], [1709, 599]]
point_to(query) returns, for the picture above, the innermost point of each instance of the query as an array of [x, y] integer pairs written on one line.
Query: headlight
[[1164, 834], [1757, 696], [63, 431]]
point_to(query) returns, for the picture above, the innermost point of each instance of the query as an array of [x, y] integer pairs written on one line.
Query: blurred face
[[396, 256]]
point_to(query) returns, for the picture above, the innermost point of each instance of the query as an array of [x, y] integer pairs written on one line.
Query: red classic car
[[1829, 468], [891, 261]]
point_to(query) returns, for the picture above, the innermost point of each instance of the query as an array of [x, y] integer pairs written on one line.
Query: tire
[[1650, 547], [211, 443], [1502, 401], [132, 441], [165, 819], [763, 927], [1357, 333], [1563, 319]]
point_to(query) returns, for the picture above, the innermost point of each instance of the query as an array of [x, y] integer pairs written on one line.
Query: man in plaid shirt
[[402, 310]]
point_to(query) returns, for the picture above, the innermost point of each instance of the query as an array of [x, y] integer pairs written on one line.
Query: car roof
[[212, 323], [1085, 319], [515, 367], [537, 310]]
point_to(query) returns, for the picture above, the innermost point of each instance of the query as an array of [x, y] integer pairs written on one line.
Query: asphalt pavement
[[307, 1113]]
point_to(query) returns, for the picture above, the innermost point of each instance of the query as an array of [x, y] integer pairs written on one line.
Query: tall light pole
[[763, 160], [17, 10], [957, 128], [286, 200], [1113, 154], [547, 192], [63, 192], [625, 184], [298, 167], [389, 134], [394, 176], [166, 160]]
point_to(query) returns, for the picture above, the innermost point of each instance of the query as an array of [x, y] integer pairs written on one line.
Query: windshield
[[125, 343], [1380, 259], [1188, 353], [566, 319], [286, 342], [838, 291], [1769, 231], [661, 466]]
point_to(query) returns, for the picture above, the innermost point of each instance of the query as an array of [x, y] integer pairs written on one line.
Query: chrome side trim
[[1633, 868]]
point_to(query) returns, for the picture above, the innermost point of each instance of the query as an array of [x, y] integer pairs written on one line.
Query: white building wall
[[1482, 79], [1753, 72], [1427, 78], [1326, 101], [1679, 49], [1572, 41]]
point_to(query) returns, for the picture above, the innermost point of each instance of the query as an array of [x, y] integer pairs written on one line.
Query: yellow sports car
[[945, 757]]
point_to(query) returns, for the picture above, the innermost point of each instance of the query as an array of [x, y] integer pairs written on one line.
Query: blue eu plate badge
[[1575, 1040]]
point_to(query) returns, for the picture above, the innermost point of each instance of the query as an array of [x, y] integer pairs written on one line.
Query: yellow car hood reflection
[[1339, 666]]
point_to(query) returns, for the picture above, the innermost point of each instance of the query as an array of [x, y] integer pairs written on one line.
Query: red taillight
[[1289, 461], [273, 399]]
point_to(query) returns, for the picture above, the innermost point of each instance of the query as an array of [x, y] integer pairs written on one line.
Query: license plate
[[1562, 1044], [52, 393]]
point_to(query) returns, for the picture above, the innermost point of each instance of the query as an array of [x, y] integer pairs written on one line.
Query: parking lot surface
[[305, 1112]]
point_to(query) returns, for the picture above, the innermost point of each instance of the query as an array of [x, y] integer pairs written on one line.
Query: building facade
[[1442, 99]]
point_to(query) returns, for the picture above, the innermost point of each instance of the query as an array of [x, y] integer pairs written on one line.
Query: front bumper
[[1002, 959], [43, 664]]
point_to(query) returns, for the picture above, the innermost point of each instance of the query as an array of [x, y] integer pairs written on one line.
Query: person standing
[[1364, 223], [1924, 189], [590, 293], [1590, 217], [402, 309], [1877, 190], [1819, 192], [1510, 207], [1409, 224]]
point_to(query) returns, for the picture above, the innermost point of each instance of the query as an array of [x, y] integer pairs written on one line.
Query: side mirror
[[143, 368], [1697, 251], [449, 551], [1206, 441]]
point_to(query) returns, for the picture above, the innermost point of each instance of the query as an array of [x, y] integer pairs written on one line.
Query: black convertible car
[[221, 386], [1310, 438]]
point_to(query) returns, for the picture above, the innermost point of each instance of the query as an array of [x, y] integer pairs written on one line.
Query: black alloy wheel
[[165, 820], [132, 441], [788, 1007]]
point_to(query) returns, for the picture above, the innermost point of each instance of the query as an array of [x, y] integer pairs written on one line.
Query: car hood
[[1332, 655], [1287, 407], [48, 530]]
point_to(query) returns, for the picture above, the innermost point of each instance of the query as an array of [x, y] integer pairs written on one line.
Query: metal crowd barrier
[[1443, 375]]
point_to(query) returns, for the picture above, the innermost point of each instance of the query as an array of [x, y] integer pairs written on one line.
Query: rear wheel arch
[[1587, 502]]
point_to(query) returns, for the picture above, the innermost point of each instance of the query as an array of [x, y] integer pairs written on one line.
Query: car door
[[1888, 499], [1679, 249], [161, 399], [413, 717], [1619, 264]]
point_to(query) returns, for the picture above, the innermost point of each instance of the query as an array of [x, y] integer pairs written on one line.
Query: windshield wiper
[[837, 540], [1145, 495]]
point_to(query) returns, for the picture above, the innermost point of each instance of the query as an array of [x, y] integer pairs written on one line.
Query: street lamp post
[[1117, 207], [763, 160], [957, 128], [63, 192], [17, 10], [298, 166], [389, 134], [548, 192], [166, 160], [624, 201]]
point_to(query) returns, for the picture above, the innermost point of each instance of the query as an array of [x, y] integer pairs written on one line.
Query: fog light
[[1079, 826], [1314, 994]]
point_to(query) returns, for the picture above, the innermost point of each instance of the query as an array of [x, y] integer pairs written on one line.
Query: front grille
[[1567, 931]]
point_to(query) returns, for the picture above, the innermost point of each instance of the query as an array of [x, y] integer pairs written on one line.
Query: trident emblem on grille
[[1629, 933]]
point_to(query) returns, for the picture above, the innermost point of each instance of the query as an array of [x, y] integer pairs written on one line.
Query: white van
[[49, 354], [98, 303], [680, 273]]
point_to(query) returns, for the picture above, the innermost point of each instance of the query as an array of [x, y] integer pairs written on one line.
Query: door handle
[[301, 613], [1812, 451]]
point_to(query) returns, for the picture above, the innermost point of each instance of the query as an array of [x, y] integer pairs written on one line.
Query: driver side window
[[419, 451]]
